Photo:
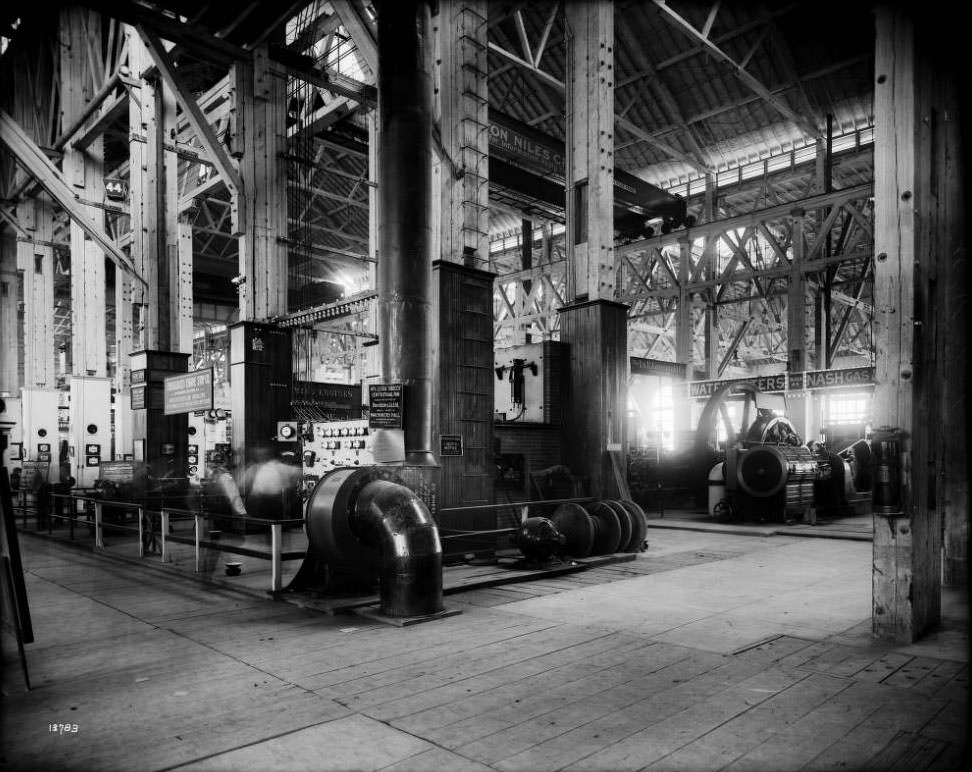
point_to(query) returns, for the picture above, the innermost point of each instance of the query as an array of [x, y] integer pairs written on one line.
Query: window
[[848, 408]]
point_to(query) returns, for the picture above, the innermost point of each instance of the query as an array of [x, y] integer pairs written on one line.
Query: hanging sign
[[643, 366], [330, 397], [186, 392], [386, 403], [139, 397], [831, 379], [761, 383]]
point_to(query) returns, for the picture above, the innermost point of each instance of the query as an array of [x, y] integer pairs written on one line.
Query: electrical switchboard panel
[[334, 444]]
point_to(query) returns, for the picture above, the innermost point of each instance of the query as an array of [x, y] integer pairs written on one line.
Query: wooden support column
[[261, 135], [124, 342], [910, 233], [796, 312], [154, 203], [161, 308], [464, 127], [9, 332], [35, 260], [710, 269], [684, 337], [464, 381], [590, 149], [80, 31], [593, 324], [952, 351]]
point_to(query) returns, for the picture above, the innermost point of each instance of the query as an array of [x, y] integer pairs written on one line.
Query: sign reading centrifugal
[[187, 392], [386, 404]]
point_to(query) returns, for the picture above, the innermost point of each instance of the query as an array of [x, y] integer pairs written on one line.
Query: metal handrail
[[276, 556]]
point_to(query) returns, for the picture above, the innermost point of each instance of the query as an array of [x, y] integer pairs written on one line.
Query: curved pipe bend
[[392, 519]]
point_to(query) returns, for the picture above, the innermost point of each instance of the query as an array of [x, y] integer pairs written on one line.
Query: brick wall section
[[541, 444], [556, 360]]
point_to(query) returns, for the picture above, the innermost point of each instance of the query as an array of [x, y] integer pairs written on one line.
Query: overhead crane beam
[[37, 164]]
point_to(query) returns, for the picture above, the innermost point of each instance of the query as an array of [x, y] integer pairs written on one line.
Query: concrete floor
[[710, 651]]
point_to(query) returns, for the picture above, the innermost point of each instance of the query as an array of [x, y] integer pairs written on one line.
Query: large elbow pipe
[[365, 521], [395, 521]]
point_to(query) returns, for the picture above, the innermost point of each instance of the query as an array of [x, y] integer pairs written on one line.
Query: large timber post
[[154, 329], [919, 294], [260, 353], [592, 323], [90, 407], [462, 331]]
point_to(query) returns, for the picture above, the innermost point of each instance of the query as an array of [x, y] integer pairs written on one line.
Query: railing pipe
[[276, 541], [165, 530], [99, 536]]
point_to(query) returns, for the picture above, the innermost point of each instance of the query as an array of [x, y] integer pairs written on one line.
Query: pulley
[[575, 524], [607, 528], [624, 520]]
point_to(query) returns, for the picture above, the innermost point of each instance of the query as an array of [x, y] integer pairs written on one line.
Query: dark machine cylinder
[[394, 520], [404, 274]]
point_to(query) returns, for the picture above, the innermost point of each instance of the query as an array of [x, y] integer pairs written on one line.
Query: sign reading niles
[[386, 406], [643, 366], [186, 392]]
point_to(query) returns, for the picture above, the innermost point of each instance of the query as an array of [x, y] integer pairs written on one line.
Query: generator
[[769, 481]]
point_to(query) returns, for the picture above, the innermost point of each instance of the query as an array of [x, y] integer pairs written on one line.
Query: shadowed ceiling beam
[[806, 125]]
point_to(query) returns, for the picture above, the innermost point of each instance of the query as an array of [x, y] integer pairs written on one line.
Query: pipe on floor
[[362, 522]]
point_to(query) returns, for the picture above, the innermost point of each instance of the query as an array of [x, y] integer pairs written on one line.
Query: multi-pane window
[[848, 408]]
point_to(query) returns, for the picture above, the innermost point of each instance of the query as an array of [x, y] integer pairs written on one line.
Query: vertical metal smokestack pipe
[[405, 227]]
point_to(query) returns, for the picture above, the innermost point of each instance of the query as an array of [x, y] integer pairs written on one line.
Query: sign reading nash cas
[[806, 381], [186, 392]]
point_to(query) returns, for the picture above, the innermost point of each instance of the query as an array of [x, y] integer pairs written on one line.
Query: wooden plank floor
[[584, 671]]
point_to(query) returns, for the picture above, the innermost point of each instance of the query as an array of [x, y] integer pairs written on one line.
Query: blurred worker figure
[[271, 486], [222, 494]]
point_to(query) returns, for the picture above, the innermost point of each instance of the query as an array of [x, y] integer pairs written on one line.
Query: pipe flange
[[330, 515]]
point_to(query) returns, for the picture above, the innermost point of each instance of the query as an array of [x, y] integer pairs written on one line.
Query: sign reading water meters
[[187, 392], [386, 406]]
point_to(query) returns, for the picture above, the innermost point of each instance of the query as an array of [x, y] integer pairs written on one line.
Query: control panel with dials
[[333, 444]]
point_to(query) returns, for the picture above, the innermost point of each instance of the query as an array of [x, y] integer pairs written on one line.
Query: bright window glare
[[852, 408]]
